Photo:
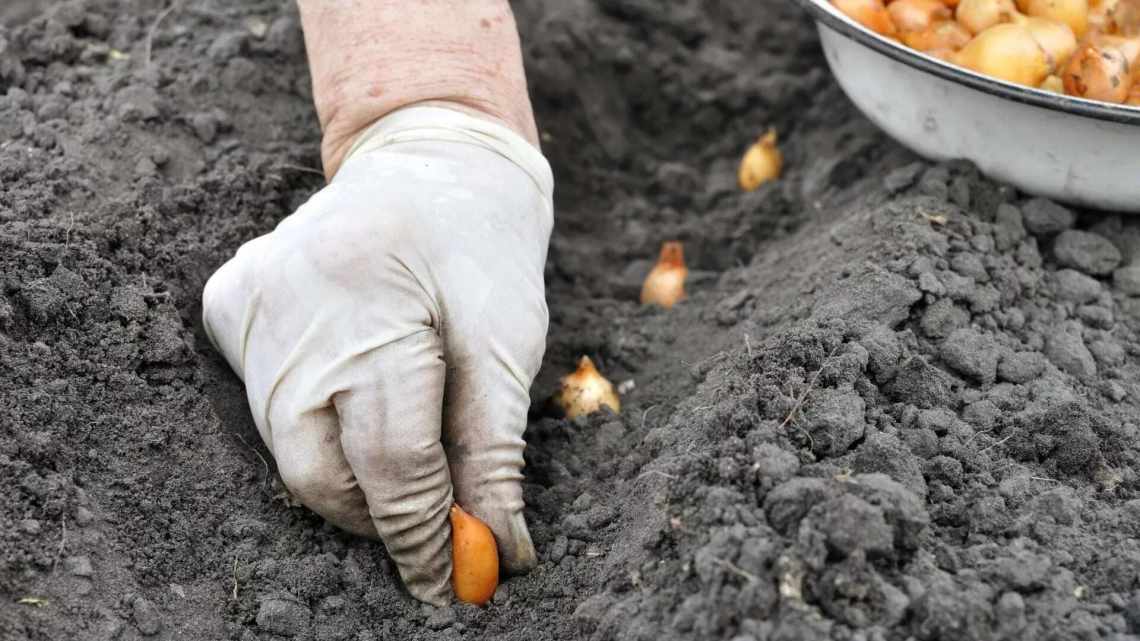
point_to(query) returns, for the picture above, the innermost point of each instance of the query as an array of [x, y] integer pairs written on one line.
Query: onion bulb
[[1098, 72], [585, 391], [916, 15], [1114, 16], [761, 163], [1008, 52], [942, 54], [665, 284], [979, 15], [1053, 84], [1124, 18], [1134, 95], [1074, 13], [869, 13], [1120, 17], [1130, 47], [1056, 39], [1100, 16], [942, 36], [474, 558]]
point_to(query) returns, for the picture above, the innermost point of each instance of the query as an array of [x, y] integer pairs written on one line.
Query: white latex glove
[[388, 333]]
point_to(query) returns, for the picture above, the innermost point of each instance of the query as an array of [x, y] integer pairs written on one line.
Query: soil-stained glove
[[388, 333]]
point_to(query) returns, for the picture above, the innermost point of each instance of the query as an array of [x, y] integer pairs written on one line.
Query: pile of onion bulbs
[[1084, 48]]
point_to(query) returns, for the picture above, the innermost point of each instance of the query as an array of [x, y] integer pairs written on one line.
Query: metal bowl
[[1070, 149]]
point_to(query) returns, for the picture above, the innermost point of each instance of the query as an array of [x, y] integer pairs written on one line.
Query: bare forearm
[[371, 57]]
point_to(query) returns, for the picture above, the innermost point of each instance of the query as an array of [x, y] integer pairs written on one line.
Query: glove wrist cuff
[[436, 123]]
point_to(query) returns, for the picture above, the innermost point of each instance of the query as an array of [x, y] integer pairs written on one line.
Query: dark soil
[[900, 402]]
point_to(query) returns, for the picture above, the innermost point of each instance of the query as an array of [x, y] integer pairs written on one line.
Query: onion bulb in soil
[[761, 163], [979, 15], [474, 558], [585, 391], [869, 13], [916, 15], [1008, 52], [1098, 73], [665, 284]]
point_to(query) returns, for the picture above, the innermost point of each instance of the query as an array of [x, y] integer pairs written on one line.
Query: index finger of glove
[[390, 432], [485, 412]]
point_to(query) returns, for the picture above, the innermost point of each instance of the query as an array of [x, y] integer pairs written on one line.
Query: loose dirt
[[899, 403]]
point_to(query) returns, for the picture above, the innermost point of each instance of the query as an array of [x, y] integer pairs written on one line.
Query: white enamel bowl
[[1078, 151]]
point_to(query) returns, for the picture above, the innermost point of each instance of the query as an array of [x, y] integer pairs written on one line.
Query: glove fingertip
[[516, 550], [424, 565], [437, 594]]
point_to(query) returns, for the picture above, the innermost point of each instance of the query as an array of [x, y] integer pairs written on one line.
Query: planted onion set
[[474, 558], [585, 391], [761, 163], [665, 284], [1084, 48]]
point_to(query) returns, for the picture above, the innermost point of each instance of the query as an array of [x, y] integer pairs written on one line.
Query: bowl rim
[[823, 11]]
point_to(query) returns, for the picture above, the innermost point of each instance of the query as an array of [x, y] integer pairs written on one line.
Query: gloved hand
[[388, 333]]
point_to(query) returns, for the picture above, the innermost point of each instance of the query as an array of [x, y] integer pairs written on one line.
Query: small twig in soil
[[748, 346], [67, 232], [264, 463], [658, 473], [810, 438], [737, 570], [993, 445], [808, 390], [301, 168], [644, 414], [1042, 478], [154, 29], [235, 593], [977, 434], [62, 543], [791, 579]]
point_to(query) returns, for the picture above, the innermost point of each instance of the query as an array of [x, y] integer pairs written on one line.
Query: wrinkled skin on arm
[[371, 57]]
